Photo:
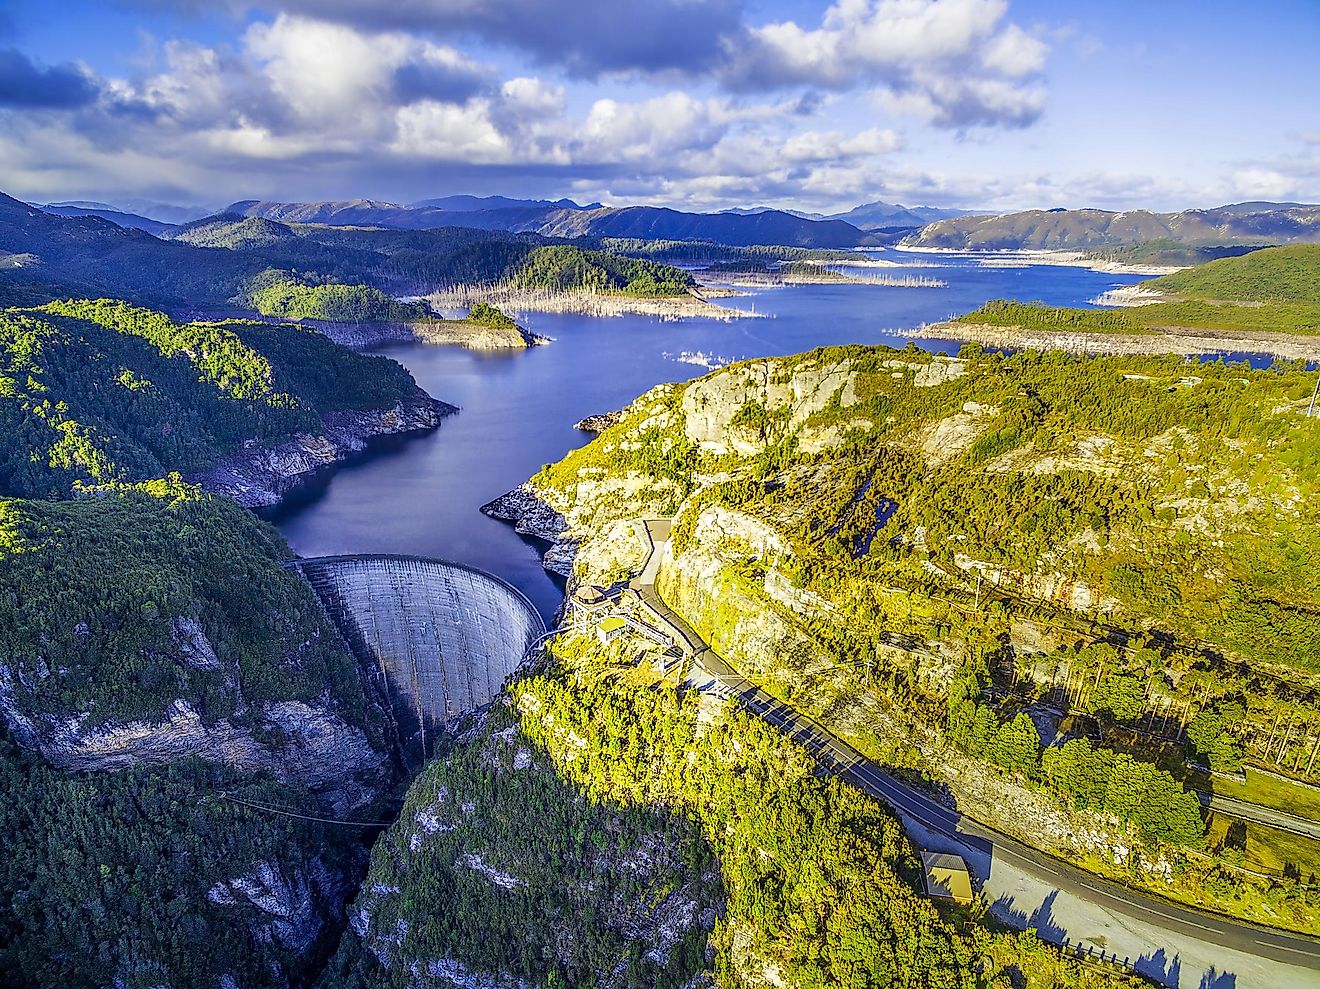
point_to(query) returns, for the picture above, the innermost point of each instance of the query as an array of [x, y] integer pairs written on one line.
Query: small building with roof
[[610, 628], [947, 877]]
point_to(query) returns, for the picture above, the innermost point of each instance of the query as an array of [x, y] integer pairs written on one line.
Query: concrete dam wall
[[441, 637]]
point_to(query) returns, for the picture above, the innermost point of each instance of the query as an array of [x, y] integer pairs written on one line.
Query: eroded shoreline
[[1161, 340]]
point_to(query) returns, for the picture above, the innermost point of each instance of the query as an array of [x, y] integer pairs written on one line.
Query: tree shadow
[[1218, 980], [1158, 967], [1041, 919]]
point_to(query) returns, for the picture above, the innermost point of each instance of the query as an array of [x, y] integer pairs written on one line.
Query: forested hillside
[[1256, 224], [297, 271], [1276, 274], [274, 293], [964, 564], [100, 392], [155, 661], [702, 840], [1271, 291]]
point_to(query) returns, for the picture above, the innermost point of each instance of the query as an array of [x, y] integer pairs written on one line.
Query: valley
[[833, 541]]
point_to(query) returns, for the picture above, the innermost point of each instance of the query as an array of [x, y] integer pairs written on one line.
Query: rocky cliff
[[439, 332], [260, 476], [183, 705], [866, 532]]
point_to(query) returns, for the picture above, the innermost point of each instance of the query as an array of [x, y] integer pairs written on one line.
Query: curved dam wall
[[440, 637]]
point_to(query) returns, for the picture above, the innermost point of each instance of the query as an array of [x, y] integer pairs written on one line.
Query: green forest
[[812, 879], [1274, 290], [1040, 521], [106, 874], [122, 572], [304, 271], [275, 293], [102, 392], [1275, 274], [1302, 318]]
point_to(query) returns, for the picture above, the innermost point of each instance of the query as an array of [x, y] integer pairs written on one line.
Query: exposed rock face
[[601, 421], [711, 404], [532, 516], [284, 909], [260, 476], [446, 332], [317, 748]]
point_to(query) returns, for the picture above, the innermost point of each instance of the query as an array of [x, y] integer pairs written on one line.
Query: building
[[947, 877], [610, 628]]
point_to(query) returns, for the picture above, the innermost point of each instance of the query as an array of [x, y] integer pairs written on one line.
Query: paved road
[[711, 673]]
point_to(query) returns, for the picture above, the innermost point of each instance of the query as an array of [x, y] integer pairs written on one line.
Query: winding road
[[1172, 944]]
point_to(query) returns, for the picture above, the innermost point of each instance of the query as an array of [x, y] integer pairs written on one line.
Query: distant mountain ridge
[[648, 222], [1254, 223], [130, 221], [471, 204], [148, 208], [871, 216]]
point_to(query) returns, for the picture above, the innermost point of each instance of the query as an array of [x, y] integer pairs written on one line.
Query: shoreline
[[261, 476], [435, 332], [1166, 340], [774, 280], [1067, 259], [585, 303]]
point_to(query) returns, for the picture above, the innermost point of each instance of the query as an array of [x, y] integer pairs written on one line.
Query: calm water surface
[[422, 496]]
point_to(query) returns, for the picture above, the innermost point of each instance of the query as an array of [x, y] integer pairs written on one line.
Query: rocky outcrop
[[601, 421], [260, 476], [438, 332], [316, 748], [287, 907], [532, 516]]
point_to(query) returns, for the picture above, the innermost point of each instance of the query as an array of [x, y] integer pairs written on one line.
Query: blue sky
[[696, 104]]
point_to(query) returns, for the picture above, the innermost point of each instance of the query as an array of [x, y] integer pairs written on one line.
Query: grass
[[1270, 850], [1301, 318], [1266, 791]]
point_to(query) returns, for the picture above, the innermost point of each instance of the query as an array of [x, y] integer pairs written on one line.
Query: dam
[[439, 638]]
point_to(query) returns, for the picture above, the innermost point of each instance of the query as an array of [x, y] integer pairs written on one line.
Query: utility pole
[[979, 577], [1314, 394]]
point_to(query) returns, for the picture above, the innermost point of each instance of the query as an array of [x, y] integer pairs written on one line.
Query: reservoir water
[[422, 496]]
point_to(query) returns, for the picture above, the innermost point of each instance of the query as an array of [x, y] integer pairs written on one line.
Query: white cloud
[[1014, 52], [1263, 183], [446, 132], [958, 62]]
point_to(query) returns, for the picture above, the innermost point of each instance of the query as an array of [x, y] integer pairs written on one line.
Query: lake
[[422, 496]]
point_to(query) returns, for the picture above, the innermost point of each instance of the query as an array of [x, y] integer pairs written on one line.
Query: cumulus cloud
[[958, 63], [25, 84], [1263, 183], [327, 98], [298, 104]]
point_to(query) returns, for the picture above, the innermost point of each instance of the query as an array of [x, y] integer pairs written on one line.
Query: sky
[[694, 104]]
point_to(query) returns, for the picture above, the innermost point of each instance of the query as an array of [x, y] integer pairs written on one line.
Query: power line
[[304, 817]]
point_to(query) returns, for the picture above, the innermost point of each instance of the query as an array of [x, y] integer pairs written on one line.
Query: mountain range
[[872, 216], [1253, 223], [645, 222], [1246, 224]]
